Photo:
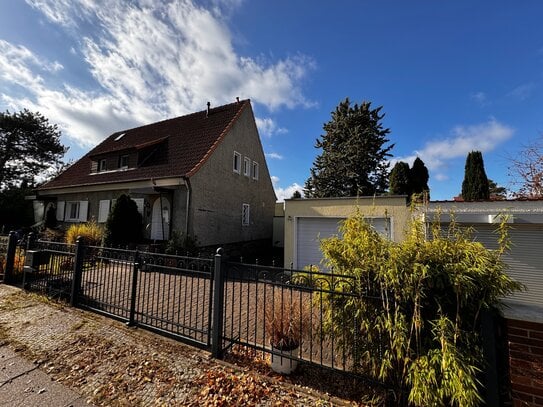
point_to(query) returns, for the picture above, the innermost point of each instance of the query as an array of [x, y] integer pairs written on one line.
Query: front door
[[160, 219]]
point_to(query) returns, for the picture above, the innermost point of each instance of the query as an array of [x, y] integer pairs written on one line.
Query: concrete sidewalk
[[23, 384]]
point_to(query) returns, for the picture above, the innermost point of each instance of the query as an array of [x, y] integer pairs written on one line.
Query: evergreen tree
[[475, 186], [28, 146], [419, 178], [296, 195], [124, 223], [353, 159], [496, 191], [400, 182]]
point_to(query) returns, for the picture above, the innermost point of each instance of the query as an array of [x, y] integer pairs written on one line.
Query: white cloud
[[522, 92], [480, 97], [285, 193], [267, 127], [150, 60], [482, 137], [274, 156]]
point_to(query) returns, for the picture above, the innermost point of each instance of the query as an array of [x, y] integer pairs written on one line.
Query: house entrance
[[160, 219]]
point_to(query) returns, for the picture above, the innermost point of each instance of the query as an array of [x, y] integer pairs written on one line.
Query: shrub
[[124, 223], [286, 319], [91, 232], [422, 333], [179, 244]]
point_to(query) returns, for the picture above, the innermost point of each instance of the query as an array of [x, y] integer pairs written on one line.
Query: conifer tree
[[475, 186], [354, 152], [124, 223], [400, 182], [419, 178]]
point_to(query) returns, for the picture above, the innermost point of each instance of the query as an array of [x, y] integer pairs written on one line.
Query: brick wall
[[526, 362]]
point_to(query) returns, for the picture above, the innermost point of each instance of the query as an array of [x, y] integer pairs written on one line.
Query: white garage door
[[525, 258], [309, 232]]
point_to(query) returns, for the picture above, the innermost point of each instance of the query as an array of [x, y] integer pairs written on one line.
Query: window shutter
[[139, 203], [83, 210], [60, 210], [103, 210]]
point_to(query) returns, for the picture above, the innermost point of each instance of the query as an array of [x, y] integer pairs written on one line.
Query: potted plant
[[285, 326]]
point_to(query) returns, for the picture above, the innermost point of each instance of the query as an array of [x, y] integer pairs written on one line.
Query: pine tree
[[419, 178], [28, 146], [353, 159], [475, 186], [400, 182]]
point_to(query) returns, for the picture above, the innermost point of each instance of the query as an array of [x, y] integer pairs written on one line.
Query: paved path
[[23, 384]]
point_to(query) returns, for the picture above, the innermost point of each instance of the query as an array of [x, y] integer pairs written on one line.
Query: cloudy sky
[[451, 76]]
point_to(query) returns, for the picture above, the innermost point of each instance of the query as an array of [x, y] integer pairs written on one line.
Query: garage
[[525, 258], [310, 230]]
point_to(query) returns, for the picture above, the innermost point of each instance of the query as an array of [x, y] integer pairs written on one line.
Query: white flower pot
[[281, 363]]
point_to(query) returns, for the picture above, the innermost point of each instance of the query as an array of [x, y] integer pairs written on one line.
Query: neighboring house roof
[[191, 140]]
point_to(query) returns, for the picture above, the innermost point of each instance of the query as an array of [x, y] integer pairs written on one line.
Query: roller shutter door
[[525, 258], [309, 232]]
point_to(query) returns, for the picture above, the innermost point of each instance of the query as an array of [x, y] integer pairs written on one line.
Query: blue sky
[[451, 76]]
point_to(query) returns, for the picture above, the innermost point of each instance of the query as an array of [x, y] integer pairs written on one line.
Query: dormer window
[[123, 161], [102, 165]]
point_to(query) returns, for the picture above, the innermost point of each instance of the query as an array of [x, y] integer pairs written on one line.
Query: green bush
[[124, 223], [180, 244], [422, 336]]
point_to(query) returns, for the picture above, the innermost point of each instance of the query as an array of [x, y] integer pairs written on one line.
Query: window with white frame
[[102, 165], [247, 166], [72, 211], [245, 213], [123, 161], [255, 170], [76, 211], [237, 162]]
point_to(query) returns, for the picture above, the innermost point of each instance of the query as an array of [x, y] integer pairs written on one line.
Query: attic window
[[123, 162], [120, 136], [102, 166]]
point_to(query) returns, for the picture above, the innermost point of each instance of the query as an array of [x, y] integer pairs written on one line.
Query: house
[[203, 175], [307, 221]]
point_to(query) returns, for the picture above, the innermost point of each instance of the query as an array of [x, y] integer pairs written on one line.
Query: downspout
[[189, 189]]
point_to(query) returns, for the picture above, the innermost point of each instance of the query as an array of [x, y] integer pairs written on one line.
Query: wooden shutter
[[60, 210]]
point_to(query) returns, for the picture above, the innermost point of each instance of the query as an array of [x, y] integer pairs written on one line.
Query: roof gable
[[191, 139]]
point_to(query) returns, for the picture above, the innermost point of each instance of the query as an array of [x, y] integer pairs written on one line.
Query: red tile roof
[[191, 140]]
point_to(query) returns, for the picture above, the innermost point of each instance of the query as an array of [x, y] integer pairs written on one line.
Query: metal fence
[[288, 314], [208, 302]]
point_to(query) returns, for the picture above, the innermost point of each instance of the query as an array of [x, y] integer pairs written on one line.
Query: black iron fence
[[208, 302]]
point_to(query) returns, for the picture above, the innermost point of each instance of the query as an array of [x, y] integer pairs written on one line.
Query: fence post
[[490, 380], [134, 291], [78, 270], [10, 256], [31, 241], [218, 306]]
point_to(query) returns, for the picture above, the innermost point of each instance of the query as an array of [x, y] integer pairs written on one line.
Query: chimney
[[237, 99], [208, 107]]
